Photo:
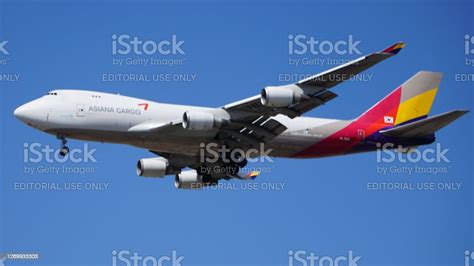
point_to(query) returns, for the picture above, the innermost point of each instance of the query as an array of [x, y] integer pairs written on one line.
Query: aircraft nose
[[32, 113], [21, 112]]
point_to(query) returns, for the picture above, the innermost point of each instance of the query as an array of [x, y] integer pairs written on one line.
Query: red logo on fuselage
[[145, 105]]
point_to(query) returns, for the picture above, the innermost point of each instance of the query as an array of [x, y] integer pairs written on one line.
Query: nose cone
[[33, 114], [21, 112]]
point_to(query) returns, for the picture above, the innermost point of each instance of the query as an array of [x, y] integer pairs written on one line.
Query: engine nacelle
[[189, 180], [279, 96], [200, 121], [152, 167]]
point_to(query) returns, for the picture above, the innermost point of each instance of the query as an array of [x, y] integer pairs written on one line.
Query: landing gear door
[[80, 110]]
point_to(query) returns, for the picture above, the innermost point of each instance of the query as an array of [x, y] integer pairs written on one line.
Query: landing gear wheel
[[206, 178], [64, 151]]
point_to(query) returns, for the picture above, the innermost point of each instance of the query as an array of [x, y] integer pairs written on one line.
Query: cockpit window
[[52, 93]]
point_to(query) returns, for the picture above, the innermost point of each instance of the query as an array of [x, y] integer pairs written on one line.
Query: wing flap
[[154, 126], [253, 132]]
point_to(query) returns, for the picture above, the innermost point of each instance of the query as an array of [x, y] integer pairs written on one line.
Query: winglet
[[252, 175], [394, 49], [247, 176]]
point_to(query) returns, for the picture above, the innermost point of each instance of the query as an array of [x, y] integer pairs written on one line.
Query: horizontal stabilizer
[[424, 127]]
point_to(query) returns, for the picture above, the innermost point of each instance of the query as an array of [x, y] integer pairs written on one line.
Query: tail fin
[[417, 96], [409, 102]]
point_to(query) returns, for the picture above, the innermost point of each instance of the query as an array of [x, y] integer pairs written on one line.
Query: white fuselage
[[105, 117]]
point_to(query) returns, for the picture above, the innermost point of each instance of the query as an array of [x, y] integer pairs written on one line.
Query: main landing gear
[[64, 150]]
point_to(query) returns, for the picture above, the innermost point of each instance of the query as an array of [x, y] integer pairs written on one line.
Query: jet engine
[[192, 180], [279, 96], [152, 167], [199, 121]]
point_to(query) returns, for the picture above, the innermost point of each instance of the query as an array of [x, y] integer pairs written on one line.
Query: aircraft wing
[[316, 88], [252, 121]]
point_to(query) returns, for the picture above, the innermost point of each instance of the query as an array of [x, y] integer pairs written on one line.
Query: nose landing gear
[[64, 150]]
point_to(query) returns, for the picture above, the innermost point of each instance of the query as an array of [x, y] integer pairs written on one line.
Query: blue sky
[[234, 50]]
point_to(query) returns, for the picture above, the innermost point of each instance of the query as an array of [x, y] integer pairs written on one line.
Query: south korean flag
[[388, 119]]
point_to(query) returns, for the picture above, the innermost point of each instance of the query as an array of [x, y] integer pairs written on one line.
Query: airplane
[[177, 134]]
